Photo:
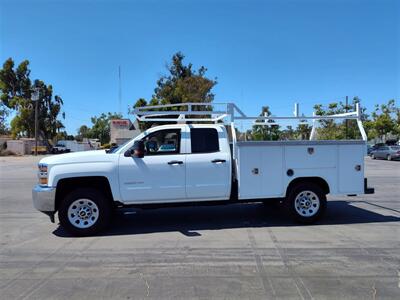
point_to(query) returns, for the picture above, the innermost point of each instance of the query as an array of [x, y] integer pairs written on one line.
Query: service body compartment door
[[351, 169], [260, 171], [310, 156]]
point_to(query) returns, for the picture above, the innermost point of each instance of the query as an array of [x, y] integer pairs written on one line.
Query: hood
[[77, 157]]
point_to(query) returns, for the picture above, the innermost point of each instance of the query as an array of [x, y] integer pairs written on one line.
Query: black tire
[[389, 157], [103, 210], [295, 192], [373, 156]]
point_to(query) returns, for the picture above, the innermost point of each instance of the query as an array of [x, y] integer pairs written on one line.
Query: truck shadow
[[190, 220]]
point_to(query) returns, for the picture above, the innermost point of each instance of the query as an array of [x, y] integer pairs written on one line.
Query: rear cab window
[[204, 140]]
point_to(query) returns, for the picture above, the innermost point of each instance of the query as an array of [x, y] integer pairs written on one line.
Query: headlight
[[42, 174], [42, 168]]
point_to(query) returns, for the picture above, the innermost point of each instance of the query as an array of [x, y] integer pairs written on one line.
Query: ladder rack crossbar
[[177, 112], [151, 114], [329, 117]]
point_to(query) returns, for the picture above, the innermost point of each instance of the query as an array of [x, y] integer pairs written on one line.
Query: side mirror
[[136, 151]]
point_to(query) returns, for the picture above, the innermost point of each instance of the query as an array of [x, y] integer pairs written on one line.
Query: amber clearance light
[[42, 174]]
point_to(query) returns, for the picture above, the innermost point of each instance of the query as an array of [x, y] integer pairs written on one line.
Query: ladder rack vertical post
[[313, 128], [359, 122], [296, 109]]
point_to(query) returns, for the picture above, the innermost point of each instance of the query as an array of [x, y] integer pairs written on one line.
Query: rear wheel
[[389, 157], [373, 156], [306, 203], [84, 211]]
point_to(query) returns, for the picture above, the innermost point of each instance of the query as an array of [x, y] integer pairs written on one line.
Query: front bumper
[[44, 199]]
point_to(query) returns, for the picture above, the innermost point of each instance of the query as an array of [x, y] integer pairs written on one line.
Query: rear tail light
[[398, 152]]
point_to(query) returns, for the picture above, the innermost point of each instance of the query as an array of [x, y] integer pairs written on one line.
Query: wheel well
[[316, 180], [64, 186]]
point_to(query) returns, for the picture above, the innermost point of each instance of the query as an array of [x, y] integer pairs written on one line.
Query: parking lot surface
[[247, 251]]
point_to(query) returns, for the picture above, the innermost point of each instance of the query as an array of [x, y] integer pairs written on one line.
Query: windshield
[[116, 148]]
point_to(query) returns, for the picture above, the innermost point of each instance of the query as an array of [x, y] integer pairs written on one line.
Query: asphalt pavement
[[245, 251]]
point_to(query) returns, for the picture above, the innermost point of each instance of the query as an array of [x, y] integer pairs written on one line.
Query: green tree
[[266, 132], [4, 112], [288, 133], [16, 89], [63, 135], [83, 132], [100, 128], [337, 129], [385, 120], [182, 84], [303, 131]]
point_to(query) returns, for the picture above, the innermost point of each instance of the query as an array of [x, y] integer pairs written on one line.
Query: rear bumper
[[44, 200], [368, 190]]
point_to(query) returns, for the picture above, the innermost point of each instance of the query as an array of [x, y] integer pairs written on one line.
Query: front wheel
[[306, 203], [389, 157], [84, 211]]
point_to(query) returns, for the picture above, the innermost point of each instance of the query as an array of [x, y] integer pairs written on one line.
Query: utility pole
[[347, 125], [36, 127], [119, 89], [35, 98]]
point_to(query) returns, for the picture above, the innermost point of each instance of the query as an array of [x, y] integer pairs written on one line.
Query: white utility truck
[[192, 164]]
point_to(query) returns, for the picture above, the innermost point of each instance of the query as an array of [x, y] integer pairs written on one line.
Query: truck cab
[[180, 163]]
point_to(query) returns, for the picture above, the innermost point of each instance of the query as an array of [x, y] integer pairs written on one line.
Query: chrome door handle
[[215, 161], [175, 162]]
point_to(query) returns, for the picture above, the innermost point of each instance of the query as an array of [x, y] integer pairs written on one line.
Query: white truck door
[[208, 165], [160, 175]]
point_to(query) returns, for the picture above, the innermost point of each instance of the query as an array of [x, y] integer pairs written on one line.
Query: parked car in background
[[60, 148], [370, 149], [391, 142], [374, 148], [386, 152]]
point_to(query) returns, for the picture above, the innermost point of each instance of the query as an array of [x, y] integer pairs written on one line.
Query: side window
[[204, 140], [163, 142]]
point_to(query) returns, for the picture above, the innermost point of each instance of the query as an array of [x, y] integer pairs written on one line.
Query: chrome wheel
[[307, 203], [83, 213]]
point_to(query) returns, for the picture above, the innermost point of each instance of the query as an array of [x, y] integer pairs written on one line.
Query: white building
[[122, 130]]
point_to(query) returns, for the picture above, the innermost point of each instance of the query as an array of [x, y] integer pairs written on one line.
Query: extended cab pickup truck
[[183, 164]]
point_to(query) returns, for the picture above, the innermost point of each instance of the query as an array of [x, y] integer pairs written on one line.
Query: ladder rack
[[186, 112]]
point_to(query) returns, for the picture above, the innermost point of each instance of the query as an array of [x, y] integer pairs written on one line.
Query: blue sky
[[262, 52]]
